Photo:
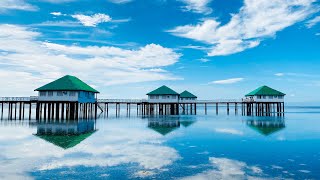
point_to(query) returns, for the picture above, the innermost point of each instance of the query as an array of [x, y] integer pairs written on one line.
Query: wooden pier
[[19, 108], [46, 110]]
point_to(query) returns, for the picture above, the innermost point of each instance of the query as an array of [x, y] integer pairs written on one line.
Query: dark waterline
[[174, 147]]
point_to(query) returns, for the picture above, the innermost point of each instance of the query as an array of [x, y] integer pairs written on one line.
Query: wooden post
[[30, 108], [228, 108], [23, 111], [57, 111], [62, 111], [52, 111], [217, 106], [15, 111], [235, 108], [37, 110], [107, 109], [77, 111], [95, 110], [45, 111], [1, 110], [205, 108], [20, 110]]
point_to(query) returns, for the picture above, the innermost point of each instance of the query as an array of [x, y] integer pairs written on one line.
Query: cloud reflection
[[121, 143]]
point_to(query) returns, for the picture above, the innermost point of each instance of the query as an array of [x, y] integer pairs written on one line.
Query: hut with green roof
[[187, 96], [265, 94], [163, 94], [67, 89]]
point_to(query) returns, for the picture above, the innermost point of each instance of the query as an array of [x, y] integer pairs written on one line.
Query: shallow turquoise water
[[175, 147]]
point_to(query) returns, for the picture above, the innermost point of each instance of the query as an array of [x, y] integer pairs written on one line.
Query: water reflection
[[266, 127], [65, 134], [166, 125]]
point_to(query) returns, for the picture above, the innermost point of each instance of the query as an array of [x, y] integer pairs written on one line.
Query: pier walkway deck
[[16, 107]]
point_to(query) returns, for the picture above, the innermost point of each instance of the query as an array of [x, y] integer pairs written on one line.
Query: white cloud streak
[[313, 22], [123, 144], [120, 1], [223, 168], [58, 14], [255, 21], [39, 62], [229, 131], [16, 5], [93, 20], [197, 6], [227, 81]]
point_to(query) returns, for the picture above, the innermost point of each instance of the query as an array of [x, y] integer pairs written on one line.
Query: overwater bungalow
[[265, 94], [66, 97], [163, 94], [67, 89], [187, 96]]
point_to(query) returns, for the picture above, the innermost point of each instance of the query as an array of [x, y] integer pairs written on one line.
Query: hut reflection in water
[[66, 134], [267, 127]]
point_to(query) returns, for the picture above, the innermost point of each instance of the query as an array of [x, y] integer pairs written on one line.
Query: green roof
[[65, 141], [265, 91], [163, 90], [187, 94], [67, 83]]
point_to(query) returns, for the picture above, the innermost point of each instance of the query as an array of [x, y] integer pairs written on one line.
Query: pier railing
[[122, 100], [220, 101], [134, 101], [17, 99]]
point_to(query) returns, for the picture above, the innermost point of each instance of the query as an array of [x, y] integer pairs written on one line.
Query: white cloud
[[255, 21], [317, 34], [16, 5], [228, 131], [197, 6], [227, 81], [58, 1], [120, 1], [279, 74], [57, 14], [204, 60], [92, 21], [37, 62], [223, 168], [115, 145], [313, 22]]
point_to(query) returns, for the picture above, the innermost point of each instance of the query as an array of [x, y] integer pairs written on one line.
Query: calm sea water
[[173, 147]]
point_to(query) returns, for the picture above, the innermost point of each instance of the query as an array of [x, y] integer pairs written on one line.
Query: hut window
[[151, 97], [259, 97], [280, 97], [43, 93], [72, 93], [270, 97], [157, 97], [164, 97], [275, 97], [264, 97], [50, 93], [59, 93]]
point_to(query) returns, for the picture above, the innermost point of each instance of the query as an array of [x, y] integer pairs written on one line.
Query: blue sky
[[217, 49]]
